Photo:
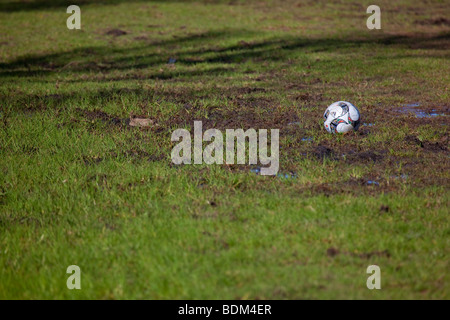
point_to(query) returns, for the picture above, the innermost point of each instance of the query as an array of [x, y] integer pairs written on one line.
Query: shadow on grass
[[205, 55], [17, 5]]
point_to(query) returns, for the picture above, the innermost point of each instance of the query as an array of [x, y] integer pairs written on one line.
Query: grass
[[79, 186]]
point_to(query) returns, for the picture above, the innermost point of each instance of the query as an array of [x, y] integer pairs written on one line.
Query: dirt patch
[[193, 60], [141, 38], [245, 44], [98, 115], [140, 122], [32, 109], [441, 21], [99, 178], [137, 154], [2, 195], [253, 102], [353, 186], [368, 255], [247, 90], [308, 97], [29, 221], [333, 252], [365, 156], [134, 154], [413, 140], [91, 160], [116, 32]]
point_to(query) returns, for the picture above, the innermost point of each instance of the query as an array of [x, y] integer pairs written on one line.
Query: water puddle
[[402, 177], [412, 105], [413, 108], [288, 175]]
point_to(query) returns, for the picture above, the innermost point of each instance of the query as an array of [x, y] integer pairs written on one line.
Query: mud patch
[[427, 145], [365, 156], [413, 140], [255, 113], [323, 152], [434, 146]]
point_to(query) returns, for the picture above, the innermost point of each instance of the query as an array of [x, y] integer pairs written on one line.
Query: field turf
[[80, 186]]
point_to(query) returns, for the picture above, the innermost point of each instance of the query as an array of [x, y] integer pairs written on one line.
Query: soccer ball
[[341, 117]]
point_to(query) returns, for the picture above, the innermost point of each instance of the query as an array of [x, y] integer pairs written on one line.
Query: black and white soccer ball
[[341, 117]]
